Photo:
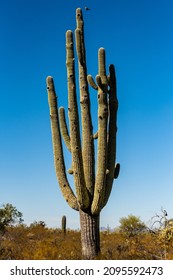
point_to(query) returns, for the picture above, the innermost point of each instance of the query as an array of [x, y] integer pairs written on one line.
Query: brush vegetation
[[37, 242]]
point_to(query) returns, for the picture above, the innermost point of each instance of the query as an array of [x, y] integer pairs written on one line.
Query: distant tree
[[131, 225], [9, 215]]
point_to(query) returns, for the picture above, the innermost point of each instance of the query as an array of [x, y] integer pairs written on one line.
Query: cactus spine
[[91, 190], [63, 225]]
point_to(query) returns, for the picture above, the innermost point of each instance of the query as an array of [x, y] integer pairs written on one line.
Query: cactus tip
[[68, 32], [49, 81], [78, 10], [101, 49], [49, 78]]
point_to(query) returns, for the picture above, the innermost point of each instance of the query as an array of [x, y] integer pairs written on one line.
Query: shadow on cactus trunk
[[92, 190]]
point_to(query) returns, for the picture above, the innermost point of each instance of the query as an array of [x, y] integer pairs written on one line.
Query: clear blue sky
[[138, 38]]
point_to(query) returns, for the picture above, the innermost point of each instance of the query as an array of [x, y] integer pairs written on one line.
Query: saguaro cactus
[[63, 224], [91, 190]]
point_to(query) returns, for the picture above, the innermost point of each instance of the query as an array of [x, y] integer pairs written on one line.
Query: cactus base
[[90, 235]]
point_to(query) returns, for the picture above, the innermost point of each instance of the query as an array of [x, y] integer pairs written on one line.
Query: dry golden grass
[[40, 243]]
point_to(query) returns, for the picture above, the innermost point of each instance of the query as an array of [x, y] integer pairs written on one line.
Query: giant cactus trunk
[[91, 190]]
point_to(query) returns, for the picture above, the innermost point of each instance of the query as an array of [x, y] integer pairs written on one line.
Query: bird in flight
[[87, 9]]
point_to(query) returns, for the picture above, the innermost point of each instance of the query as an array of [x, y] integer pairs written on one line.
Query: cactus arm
[[99, 191], [102, 68], [65, 133], [79, 49], [80, 44], [57, 147], [91, 82], [78, 172], [63, 127], [87, 128], [113, 107]]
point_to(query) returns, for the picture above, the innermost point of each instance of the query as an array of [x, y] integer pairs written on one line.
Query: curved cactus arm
[[91, 82], [57, 147], [99, 191], [78, 172], [100, 84], [63, 127], [87, 128], [111, 159]]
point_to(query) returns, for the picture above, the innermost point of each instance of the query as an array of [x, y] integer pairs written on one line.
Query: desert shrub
[[131, 225], [40, 243], [37, 242]]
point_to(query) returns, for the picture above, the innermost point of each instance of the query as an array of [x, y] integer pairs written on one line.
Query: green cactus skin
[[63, 127], [57, 147], [87, 128], [63, 224], [78, 172], [99, 192], [92, 189]]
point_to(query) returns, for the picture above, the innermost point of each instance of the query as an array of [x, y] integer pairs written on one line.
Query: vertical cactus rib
[[99, 191], [79, 47], [87, 128], [63, 127], [78, 172], [90, 237], [57, 147], [111, 159]]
